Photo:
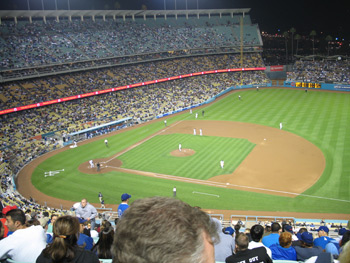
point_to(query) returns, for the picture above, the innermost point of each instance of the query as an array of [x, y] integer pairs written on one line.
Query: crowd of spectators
[[158, 229], [317, 71], [141, 104], [31, 44]]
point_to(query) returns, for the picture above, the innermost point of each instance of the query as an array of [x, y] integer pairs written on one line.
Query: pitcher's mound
[[183, 153]]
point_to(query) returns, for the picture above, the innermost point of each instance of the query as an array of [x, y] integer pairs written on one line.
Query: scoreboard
[[307, 85]]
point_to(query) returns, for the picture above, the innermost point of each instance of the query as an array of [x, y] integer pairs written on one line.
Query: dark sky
[[304, 15]]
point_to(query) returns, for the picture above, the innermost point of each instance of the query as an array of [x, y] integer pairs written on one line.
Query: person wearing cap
[[225, 247], [86, 211], [84, 241], [26, 243], [323, 238], [256, 233], [5, 210], [289, 228], [307, 248], [124, 204]]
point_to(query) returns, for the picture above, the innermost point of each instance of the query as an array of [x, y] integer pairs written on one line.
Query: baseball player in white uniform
[[200, 132], [92, 165], [106, 142], [194, 131], [280, 125], [222, 164], [196, 115], [180, 147]]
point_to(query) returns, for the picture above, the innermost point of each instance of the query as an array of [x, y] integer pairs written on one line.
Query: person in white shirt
[[26, 243]]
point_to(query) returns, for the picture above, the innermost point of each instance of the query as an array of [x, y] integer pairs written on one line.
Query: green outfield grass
[[323, 118]]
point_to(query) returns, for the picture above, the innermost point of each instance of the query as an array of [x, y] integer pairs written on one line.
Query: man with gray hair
[[162, 229]]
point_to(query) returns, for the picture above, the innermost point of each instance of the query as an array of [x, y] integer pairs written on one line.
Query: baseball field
[[302, 168]]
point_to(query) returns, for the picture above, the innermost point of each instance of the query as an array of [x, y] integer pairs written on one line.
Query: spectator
[[323, 238], [161, 229], [124, 204], [64, 247], [84, 240], [345, 254], [273, 238], [284, 250], [104, 244], [225, 246], [54, 217], [298, 242], [86, 211], [289, 228], [307, 249], [2, 231], [256, 233], [3, 219], [245, 255], [26, 243]]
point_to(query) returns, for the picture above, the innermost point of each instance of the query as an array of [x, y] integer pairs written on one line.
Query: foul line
[[218, 184], [139, 143], [205, 194]]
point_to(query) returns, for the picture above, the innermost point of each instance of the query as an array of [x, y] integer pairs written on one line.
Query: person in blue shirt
[[84, 241], [124, 204], [323, 238], [274, 236], [284, 250]]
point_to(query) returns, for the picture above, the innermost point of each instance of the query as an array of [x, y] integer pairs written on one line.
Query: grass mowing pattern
[[320, 117], [154, 155]]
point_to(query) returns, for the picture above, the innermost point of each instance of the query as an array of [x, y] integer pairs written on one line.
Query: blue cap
[[323, 228], [288, 228], [81, 220], [342, 231], [229, 230], [306, 237], [125, 197]]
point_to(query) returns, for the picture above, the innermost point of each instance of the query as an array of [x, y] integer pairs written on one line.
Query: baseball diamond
[[286, 174]]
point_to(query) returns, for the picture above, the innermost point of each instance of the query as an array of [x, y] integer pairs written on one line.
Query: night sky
[[273, 16]]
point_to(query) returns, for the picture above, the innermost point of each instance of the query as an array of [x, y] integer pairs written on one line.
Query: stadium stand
[[102, 53]]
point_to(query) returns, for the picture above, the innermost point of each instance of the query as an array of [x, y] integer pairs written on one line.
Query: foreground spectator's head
[[161, 229], [285, 239], [65, 237], [306, 239], [104, 243], [15, 219], [323, 231], [242, 242], [275, 227], [256, 232]]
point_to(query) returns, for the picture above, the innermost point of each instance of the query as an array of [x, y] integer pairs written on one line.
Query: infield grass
[[320, 117]]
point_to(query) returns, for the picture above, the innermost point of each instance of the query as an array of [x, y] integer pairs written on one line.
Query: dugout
[[97, 130]]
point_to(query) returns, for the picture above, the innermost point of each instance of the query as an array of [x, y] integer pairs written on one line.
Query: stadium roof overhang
[[16, 14]]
